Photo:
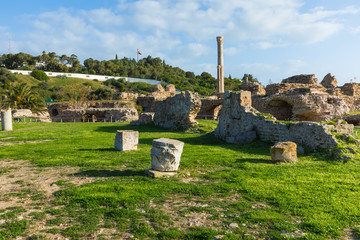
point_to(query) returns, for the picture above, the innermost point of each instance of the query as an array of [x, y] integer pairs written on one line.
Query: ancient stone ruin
[[301, 98], [241, 123], [210, 107], [6, 120], [160, 93], [126, 140], [93, 112], [178, 112], [166, 154]]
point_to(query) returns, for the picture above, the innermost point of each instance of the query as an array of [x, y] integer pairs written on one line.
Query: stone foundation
[[240, 123]]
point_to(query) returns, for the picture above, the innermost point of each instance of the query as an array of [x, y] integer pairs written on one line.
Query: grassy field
[[221, 189]]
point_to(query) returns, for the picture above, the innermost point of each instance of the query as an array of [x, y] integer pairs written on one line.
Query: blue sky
[[271, 39]]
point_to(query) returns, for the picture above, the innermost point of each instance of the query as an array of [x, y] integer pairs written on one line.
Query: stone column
[[6, 120], [220, 67]]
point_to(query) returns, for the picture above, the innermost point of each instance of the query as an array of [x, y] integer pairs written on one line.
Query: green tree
[[22, 97]]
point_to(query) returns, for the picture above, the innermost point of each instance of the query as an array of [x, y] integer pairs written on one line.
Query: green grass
[[229, 184]]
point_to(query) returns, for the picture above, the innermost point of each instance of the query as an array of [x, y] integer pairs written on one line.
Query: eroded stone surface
[[302, 78], [329, 81], [126, 140], [166, 154], [239, 124], [6, 120], [178, 112], [284, 152]]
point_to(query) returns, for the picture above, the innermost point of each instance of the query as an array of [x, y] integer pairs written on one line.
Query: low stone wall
[[96, 115], [240, 123]]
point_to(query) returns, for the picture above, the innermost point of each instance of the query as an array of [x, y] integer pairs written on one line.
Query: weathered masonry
[[240, 123]]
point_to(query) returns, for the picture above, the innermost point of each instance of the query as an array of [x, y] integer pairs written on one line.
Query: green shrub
[[39, 75], [101, 94]]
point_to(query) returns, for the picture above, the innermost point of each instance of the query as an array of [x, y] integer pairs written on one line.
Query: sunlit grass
[[238, 184]]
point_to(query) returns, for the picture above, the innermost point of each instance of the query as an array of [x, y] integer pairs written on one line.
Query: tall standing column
[[6, 120], [220, 67]]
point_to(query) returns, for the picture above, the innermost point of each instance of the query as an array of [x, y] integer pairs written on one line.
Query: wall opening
[[281, 110]]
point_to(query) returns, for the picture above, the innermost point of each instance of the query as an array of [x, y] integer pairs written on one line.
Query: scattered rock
[[284, 152], [233, 225]]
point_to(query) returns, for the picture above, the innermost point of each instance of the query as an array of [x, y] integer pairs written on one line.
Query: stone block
[[6, 120], [166, 154], [284, 152], [126, 140], [157, 174]]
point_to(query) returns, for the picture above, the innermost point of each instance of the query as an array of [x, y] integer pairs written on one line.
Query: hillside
[[148, 67]]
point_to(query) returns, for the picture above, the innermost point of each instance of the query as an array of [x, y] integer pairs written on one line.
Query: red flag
[[139, 53]]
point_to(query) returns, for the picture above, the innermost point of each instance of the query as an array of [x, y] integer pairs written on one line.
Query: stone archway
[[280, 109]]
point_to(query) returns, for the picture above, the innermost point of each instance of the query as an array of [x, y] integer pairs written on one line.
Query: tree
[[22, 97]]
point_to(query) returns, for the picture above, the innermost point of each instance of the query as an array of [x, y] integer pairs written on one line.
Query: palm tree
[[21, 96]]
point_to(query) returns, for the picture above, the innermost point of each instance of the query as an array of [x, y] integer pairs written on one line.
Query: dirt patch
[[22, 142], [28, 190]]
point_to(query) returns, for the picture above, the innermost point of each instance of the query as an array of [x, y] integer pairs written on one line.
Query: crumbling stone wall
[[177, 112], [240, 123], [160, 93], [254, 87], [351, 89], [92, 111], [210, 107], [302, 104], [302, 78]]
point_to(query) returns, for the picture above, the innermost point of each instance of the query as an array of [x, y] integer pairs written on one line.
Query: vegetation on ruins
[[148, 67], [221, 189]]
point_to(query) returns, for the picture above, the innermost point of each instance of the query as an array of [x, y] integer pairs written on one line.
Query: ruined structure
[[220, 67], [302, 98], [329, 81], [302, 78], [302, 104], [148, 102], [254, 87], [93, 112], [177, 112], [240, 123], [210, 107]]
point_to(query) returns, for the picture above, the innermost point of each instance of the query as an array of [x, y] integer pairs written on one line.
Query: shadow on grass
[[144, 128], [109, 173], [98, 149], [253, 160]]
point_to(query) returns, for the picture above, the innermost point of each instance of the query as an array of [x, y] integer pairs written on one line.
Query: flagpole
[[137, 55]]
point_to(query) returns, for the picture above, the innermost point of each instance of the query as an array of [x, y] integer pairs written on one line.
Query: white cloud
[[103, 17], [182, 30], [355, 30]]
